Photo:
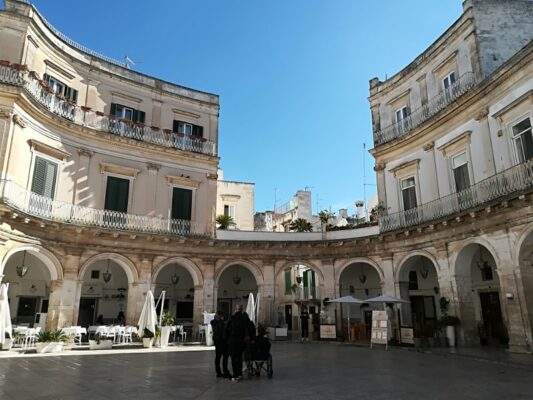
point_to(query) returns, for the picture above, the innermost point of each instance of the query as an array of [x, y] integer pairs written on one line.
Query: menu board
[[380, 322], [328, 332]]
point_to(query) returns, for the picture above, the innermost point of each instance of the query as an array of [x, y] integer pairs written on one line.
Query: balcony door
[[116, 199], [181, 211], [408, 188], [461, 176], [523, 140], [44, 185]]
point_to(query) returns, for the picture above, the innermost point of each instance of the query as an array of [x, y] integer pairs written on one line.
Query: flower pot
[[49, 347], [103, 345], [148, 342], [165, 334], [8, 343], [450, 334]]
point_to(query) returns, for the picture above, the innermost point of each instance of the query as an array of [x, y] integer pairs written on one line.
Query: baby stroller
[[258, 358]]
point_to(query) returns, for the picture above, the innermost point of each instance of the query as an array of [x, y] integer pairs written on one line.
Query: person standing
[[236, 331], [304, 320], [221, 346]]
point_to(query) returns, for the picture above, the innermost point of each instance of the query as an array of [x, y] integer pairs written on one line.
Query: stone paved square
[[301, 371]]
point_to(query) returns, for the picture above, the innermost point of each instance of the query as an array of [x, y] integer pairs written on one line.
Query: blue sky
[[292, 76]]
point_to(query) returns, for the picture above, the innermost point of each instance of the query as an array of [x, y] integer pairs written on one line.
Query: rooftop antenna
[[128, 61]]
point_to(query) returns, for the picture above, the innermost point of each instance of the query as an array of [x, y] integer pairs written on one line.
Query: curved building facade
[[109, 186]]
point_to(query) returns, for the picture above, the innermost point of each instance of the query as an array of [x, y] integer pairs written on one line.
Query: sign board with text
[[406, 335], [380, 328], [328, 332]]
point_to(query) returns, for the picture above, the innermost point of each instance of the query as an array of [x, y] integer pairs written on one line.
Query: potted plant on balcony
[[166, 323], [148, 338], [224, 221], [50, 341]]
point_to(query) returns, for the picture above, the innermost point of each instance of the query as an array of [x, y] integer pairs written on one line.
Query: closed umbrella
[[348, 300], [257, 309], [5, 316], [250, 307], [148, 318]]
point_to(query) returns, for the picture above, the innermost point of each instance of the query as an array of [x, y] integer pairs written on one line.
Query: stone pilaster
[[267, 310], [82, 192], [137, 290]]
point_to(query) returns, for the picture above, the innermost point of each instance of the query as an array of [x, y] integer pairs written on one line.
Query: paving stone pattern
[[301, 371]]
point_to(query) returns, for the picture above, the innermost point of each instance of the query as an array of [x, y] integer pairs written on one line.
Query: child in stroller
[[257, 355]]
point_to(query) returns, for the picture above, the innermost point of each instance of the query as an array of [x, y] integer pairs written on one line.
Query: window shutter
[[74, 95], [44, 178], [135, 117], [117, 193], [46, 78], [306, 278], [68, 92], [142, 114], [181, 204], [288, 283], [113, 109], [175, 126], [197, 130]]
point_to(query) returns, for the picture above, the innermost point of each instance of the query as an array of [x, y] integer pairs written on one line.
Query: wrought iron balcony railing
[[513, 180], [422, 114], [30, 203], [96, 120], [306, 293]]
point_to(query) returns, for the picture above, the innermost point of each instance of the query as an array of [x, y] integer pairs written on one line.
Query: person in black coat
[[236, 331], [221, 345]]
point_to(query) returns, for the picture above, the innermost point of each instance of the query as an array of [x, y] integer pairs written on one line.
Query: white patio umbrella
[[5, 316], [250, 307], [386, 299], [348, 300], [257, 309], [148, 318]]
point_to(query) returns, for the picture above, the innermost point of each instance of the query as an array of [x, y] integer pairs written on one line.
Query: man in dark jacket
[[221, 345], [236, 331]]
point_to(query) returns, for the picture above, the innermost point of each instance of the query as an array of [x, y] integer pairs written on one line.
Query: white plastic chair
[[182, 333], [30, 338], [201, 333], [127, 335]]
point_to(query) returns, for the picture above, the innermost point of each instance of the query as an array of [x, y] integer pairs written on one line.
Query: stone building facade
[[453, 150]]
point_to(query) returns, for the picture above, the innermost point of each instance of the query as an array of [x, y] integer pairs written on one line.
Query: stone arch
[[410, 255], [308, 264], [526, 232], [361, 260], [458, 249], [189, 265], [127, 265], [45, 256], [250, 266]]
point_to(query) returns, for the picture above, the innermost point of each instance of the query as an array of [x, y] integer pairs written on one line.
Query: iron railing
[[306, 293], [23, 200], [98, 121], [513, 180], [422, 114]]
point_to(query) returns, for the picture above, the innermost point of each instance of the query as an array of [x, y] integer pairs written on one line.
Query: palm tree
[[324, 217], [301, 225], [224, 221]]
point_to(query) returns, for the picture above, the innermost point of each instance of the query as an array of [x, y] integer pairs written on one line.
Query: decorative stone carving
[[17, 119], [428, 146], [482, 114], [153, 166], [85, 152], [379, 167], [212, 176]]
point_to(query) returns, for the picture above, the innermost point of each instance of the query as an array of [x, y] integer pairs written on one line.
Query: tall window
[[123, 112], [460, 172], [187, 129], [117, 194], [181, 204], [60, 88], [523, 140], [402, 113], [408, 193], [448, 80], [229, 211], [413, 280], [288, 282], [44, 177]]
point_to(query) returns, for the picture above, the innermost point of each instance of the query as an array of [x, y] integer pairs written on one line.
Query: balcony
[[422, 114], [306, 293], [515, 180], [41, 207], [83, 116]]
